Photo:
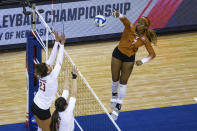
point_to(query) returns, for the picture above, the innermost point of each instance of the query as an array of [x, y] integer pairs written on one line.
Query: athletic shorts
[[119, 55], [40, 113]]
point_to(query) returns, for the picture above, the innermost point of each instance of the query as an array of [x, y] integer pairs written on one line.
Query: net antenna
[[37, 12], [62, 21], [26, 3]]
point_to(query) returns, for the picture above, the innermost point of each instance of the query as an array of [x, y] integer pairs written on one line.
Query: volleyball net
[[90, 113]]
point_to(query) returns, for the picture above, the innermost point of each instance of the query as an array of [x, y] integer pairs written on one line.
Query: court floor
[[168, 80]]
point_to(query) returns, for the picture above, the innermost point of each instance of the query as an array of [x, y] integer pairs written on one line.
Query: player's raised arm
[[66, 79], [122, 18], [74, 78], [60, 56], [54, 50], [151, 55], [73, 96], [65, 93], [63, 110]]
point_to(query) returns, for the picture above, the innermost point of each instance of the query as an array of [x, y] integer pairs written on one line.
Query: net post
[[33, 52], [33, 17]]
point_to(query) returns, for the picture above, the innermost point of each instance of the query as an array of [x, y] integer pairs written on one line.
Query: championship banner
[[76, 19]]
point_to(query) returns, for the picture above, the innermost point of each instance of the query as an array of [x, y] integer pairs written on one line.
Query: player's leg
[[42, 117], [46, 124], [38, 121], [43, 124], [36, 112], [115, 71], [45, 116], [126, 70]]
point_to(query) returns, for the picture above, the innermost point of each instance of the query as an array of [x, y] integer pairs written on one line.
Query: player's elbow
[[153, 55]]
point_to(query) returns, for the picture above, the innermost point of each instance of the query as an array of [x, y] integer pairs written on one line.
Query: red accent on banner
[[162, 12], [143, 11]]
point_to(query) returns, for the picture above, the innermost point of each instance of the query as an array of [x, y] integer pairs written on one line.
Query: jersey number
[[42, 86], [134, 41]]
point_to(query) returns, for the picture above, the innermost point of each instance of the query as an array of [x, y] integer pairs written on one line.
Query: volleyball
[[99, 21]]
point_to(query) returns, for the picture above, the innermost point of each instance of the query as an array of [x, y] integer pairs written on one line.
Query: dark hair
[[152, 36], [60, 105], [41, 70]]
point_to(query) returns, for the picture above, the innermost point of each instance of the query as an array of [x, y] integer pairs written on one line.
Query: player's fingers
[[75, 69], [114, 14], [136, 63]]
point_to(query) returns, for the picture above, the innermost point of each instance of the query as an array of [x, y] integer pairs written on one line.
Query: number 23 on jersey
[[42, 85]]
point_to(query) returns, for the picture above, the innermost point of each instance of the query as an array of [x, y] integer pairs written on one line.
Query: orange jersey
[[130, 41]]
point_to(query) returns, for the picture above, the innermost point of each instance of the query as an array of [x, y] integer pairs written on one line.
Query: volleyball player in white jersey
[[48, 85], [63, 117]]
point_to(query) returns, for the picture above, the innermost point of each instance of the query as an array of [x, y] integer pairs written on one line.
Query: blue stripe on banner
[[184, 15]]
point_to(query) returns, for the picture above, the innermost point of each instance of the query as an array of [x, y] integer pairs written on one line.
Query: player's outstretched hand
[[138, 62], [74, 70], [115, 14], [57, 38], [62, 38]]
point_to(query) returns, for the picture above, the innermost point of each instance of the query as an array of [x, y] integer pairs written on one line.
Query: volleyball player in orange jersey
[[123, 56]]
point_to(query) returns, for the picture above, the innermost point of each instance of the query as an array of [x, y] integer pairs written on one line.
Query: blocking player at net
[[123, 56], [48, 84], [63, 117]]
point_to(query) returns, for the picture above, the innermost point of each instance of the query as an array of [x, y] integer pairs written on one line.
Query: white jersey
[[48, 85], [67, 116]]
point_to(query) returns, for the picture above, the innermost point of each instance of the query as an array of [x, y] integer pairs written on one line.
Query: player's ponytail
[[151, 36], [54, 121], [60, 105]]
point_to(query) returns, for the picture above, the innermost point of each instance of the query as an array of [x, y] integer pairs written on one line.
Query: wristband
[[121, 15], [144, 60], [74, 76]]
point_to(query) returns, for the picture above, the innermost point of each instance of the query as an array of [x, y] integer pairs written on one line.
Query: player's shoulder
[[145, 39], [130, 28]]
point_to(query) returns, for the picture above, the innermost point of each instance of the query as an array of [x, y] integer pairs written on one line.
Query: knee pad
[[122, 93], [114, 85]]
